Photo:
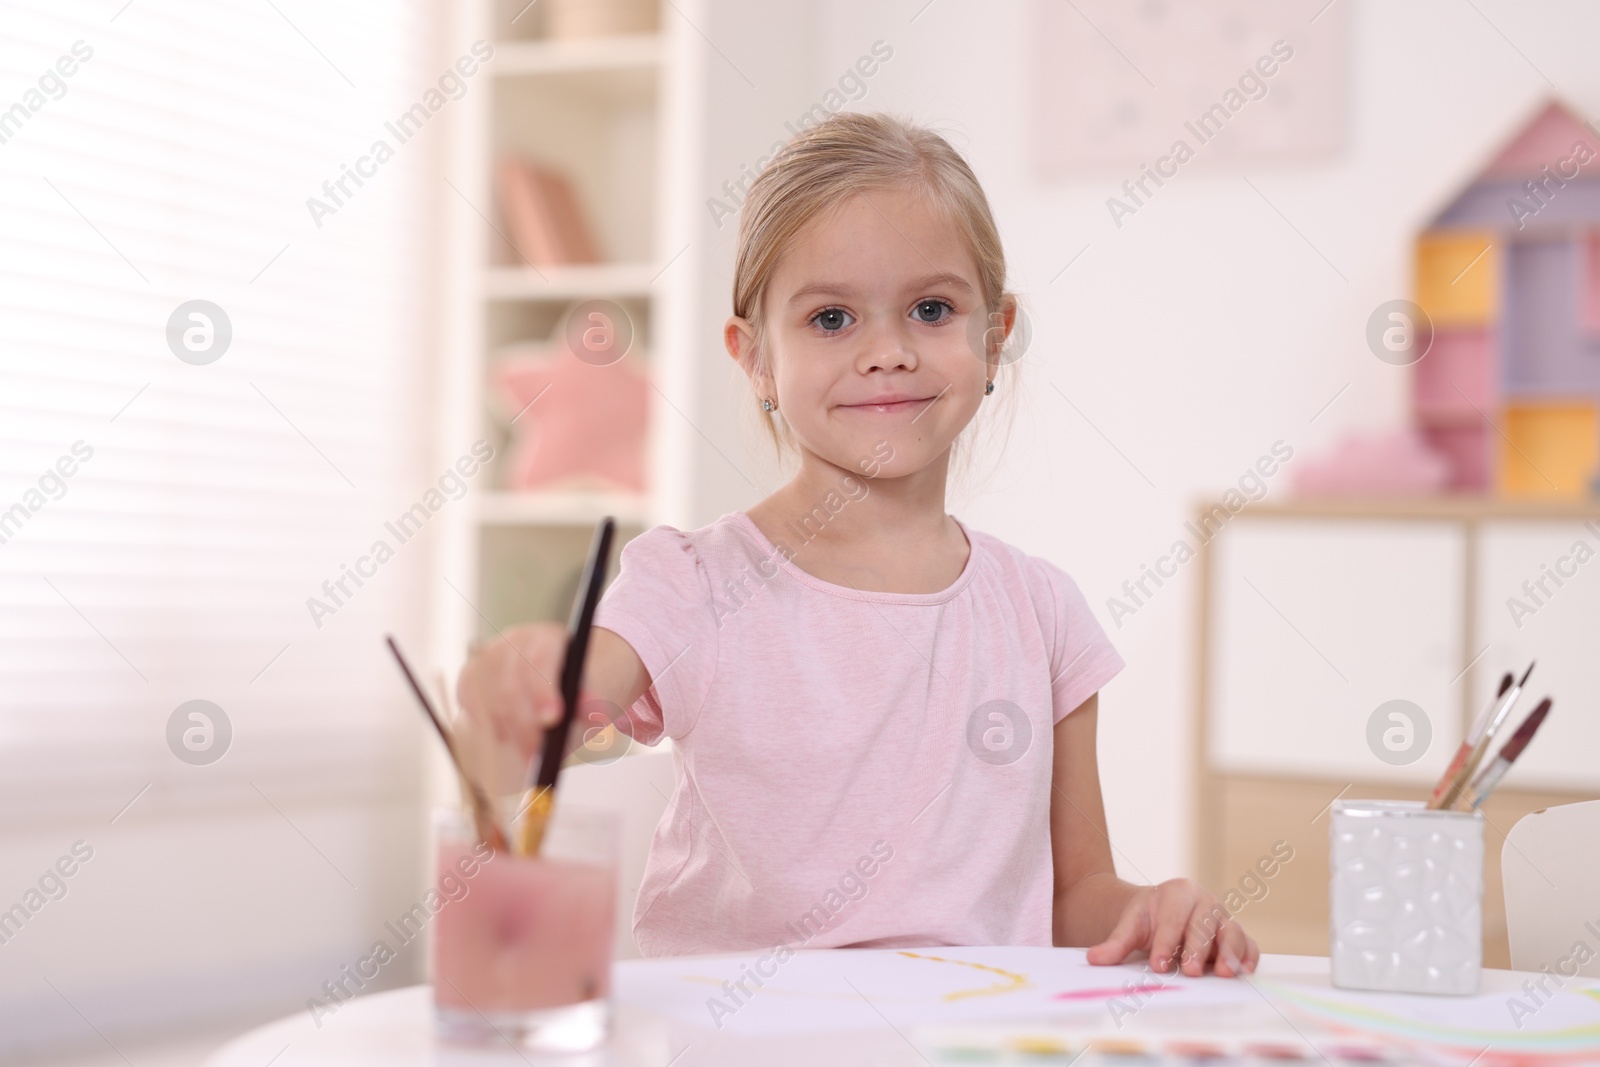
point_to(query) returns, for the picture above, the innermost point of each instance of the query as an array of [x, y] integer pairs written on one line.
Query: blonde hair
[[823, 166]]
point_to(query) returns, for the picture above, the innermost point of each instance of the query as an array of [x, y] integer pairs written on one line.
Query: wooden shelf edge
[[561, 508], [536, 57], [1335, 782], [571, 282], [1449, 506]]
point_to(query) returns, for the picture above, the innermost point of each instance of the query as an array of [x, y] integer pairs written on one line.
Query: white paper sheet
[[845, 989]]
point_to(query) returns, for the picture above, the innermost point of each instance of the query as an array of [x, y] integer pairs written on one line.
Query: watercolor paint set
[[1039, 1046]]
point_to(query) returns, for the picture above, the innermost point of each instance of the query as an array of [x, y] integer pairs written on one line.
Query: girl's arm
[[1177, 923], [1089, 896]]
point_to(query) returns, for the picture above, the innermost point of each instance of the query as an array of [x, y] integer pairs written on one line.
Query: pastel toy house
[[1509, 274]]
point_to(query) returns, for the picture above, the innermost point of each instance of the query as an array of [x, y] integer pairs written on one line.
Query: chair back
[[1551, 869]]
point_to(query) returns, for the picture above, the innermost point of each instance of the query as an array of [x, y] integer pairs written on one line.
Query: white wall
[[1195, 336], [754, 74]]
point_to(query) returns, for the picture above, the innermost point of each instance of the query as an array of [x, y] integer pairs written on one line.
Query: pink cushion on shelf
[[1467, 451], [1457, 380], [1398, 463], [587, 427]]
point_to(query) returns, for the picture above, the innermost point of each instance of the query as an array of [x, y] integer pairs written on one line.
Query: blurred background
[[1307, 406]]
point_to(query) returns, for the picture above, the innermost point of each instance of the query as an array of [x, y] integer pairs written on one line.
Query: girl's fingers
[[1172, 916], [1228, 965], [1200, 938], [510, 695], [1252, 954], [529, 660], [1129, 935], [503, 693], [1183, 928], [1236, 951]]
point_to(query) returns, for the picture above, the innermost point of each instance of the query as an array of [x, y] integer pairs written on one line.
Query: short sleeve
[[1082, 658], [660, 603]]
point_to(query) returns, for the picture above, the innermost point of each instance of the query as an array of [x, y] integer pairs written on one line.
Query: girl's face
[[870, 335]]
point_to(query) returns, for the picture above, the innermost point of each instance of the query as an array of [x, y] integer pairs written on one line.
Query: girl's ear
[[739, 337], [1003, 322], [1008, 311]]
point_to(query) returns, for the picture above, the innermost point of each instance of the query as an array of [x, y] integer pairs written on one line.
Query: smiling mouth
[[890, 409]]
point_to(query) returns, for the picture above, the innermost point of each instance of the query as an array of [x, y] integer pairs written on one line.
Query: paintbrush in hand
[[541, 794]]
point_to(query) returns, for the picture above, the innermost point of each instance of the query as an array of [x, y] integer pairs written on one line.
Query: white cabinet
[[1316, 623], [1539, 598], [1317, 612]]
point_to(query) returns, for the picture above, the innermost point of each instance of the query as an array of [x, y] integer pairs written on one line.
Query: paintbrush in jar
[[483, 819]]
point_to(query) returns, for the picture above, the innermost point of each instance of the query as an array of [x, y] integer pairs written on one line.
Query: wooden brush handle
[[535, 819]]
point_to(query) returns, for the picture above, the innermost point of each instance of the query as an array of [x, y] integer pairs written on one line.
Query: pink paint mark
[[1108, 994]]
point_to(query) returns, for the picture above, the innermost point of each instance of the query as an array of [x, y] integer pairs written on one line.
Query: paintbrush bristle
[[1505, 683], [1525, 675], [1525, 732]]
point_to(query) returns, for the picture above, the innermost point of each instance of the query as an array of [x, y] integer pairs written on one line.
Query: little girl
[[884, 719]]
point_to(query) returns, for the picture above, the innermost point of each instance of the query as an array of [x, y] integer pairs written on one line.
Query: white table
[[395, 1028]]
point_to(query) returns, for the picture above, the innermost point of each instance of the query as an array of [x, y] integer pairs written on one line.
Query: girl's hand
[[1179, 922], [508, 695]]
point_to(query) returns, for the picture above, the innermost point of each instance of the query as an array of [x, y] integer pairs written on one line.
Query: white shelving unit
[[584, 57], [616, 116], [611, 280], [620, 117], [560, 509]]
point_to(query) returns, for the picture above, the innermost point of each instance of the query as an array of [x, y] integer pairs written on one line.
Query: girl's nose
[[887, 348]]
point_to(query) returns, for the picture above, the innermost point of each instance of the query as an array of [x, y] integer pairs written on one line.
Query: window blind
[[164, 520]]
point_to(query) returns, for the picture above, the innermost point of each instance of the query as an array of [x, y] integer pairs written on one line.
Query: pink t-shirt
[[855, 768]]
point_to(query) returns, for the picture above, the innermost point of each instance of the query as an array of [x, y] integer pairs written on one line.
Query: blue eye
[[832, 320], [937, 309]]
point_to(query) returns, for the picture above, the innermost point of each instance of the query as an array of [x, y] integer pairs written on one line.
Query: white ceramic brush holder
[[1406, 897]]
